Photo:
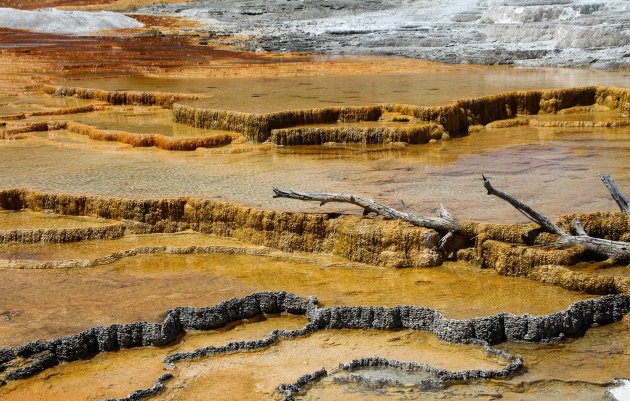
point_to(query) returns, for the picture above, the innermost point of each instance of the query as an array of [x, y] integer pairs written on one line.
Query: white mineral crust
[[50, 20]]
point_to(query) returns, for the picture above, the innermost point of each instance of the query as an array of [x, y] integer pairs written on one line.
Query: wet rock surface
[[288, 231], [454, 120], [40, 355], [566, 33], [62, 234]]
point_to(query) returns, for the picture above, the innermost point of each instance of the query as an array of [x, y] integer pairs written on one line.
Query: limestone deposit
[[521, 251], [291, 127], [120, 97], [201, 250], [515, 250], [257, 127], [135, 140], [414, 134]]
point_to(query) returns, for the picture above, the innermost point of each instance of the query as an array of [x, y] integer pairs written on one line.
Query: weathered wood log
[[616, 193], [445, 223], [615, 250]]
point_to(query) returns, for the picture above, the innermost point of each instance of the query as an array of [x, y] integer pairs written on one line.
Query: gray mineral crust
[[528, 33]]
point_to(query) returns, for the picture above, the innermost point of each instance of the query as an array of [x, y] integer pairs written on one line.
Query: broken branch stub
[[444, 224], [616, 193], [615, 250]]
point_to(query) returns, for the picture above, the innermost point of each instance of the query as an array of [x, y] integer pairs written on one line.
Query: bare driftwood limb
[[523, 208], [615, 250], [616, 193], [445, 223]]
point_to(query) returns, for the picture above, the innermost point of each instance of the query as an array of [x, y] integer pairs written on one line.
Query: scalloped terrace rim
[[512, 250], [456, 119]]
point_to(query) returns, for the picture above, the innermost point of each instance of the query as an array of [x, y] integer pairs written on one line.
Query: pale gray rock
[[530, 33], [51, 20]]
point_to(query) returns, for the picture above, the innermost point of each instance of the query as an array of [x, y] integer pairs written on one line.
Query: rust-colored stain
[[138, 53], [165, 21]]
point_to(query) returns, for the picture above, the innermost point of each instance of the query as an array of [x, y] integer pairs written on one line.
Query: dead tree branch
[[523, 208], [616, 193], [615, 250], [445, 223]]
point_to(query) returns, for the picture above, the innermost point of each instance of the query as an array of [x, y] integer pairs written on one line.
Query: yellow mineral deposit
[[100, 249], [27, 219], [101, 223], [583, 360], [121, 97], [108, 294], [132, 119]]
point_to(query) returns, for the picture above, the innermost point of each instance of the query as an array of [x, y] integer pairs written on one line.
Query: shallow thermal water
[[553, 169], [254, 377], [100, 248], [576, 369], [427, 87], [11, 105], [138, 120], [26, 219], [240, 376], [76, 299]]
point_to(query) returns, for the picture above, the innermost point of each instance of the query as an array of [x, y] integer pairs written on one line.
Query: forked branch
[[615, 250], [616, 193], [530, 213]]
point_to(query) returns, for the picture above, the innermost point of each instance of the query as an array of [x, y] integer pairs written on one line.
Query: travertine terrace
[[136, 176]]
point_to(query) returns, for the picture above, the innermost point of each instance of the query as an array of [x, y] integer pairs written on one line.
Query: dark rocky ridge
[[32, 358], [158, 387]]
